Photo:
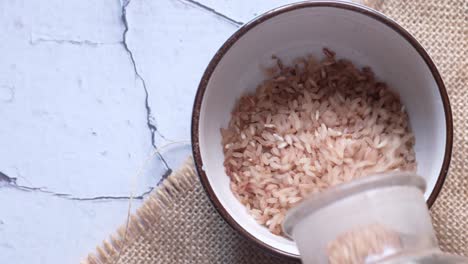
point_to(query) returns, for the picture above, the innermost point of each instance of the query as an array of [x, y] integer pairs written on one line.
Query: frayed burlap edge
[[161, 198]]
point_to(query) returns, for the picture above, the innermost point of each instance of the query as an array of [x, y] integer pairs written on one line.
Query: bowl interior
[[352, 34]]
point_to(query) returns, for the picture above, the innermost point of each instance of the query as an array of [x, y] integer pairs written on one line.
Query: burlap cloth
[[178, 224]]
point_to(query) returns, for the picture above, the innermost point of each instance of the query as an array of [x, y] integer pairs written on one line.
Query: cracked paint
[[243, 10], [11, 182], [55, 230], [39, 40], [213, 11], [86, 91], [172, 56], [52, 144], [75, 96], [6, 179], [94, 21], [150, 121], [81, 42]]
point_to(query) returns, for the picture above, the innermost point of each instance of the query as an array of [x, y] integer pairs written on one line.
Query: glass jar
[[369, 220]]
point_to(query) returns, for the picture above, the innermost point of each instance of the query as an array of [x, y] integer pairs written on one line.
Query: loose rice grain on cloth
[[178, 224]]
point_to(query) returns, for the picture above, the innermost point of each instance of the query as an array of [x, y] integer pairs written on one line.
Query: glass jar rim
[[342, 191]]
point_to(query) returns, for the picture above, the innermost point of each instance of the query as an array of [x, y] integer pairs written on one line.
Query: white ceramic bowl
[[362, 35]]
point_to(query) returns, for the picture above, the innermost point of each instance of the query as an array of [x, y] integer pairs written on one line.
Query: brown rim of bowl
[[273, 13]]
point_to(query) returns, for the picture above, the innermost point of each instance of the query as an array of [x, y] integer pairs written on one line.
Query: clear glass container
[[368, 220]]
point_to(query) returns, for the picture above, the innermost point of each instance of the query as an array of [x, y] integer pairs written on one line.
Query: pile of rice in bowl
[[310, 126]]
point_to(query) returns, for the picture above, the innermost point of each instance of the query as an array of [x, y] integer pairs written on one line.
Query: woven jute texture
[[442, 28], [178, 224]]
